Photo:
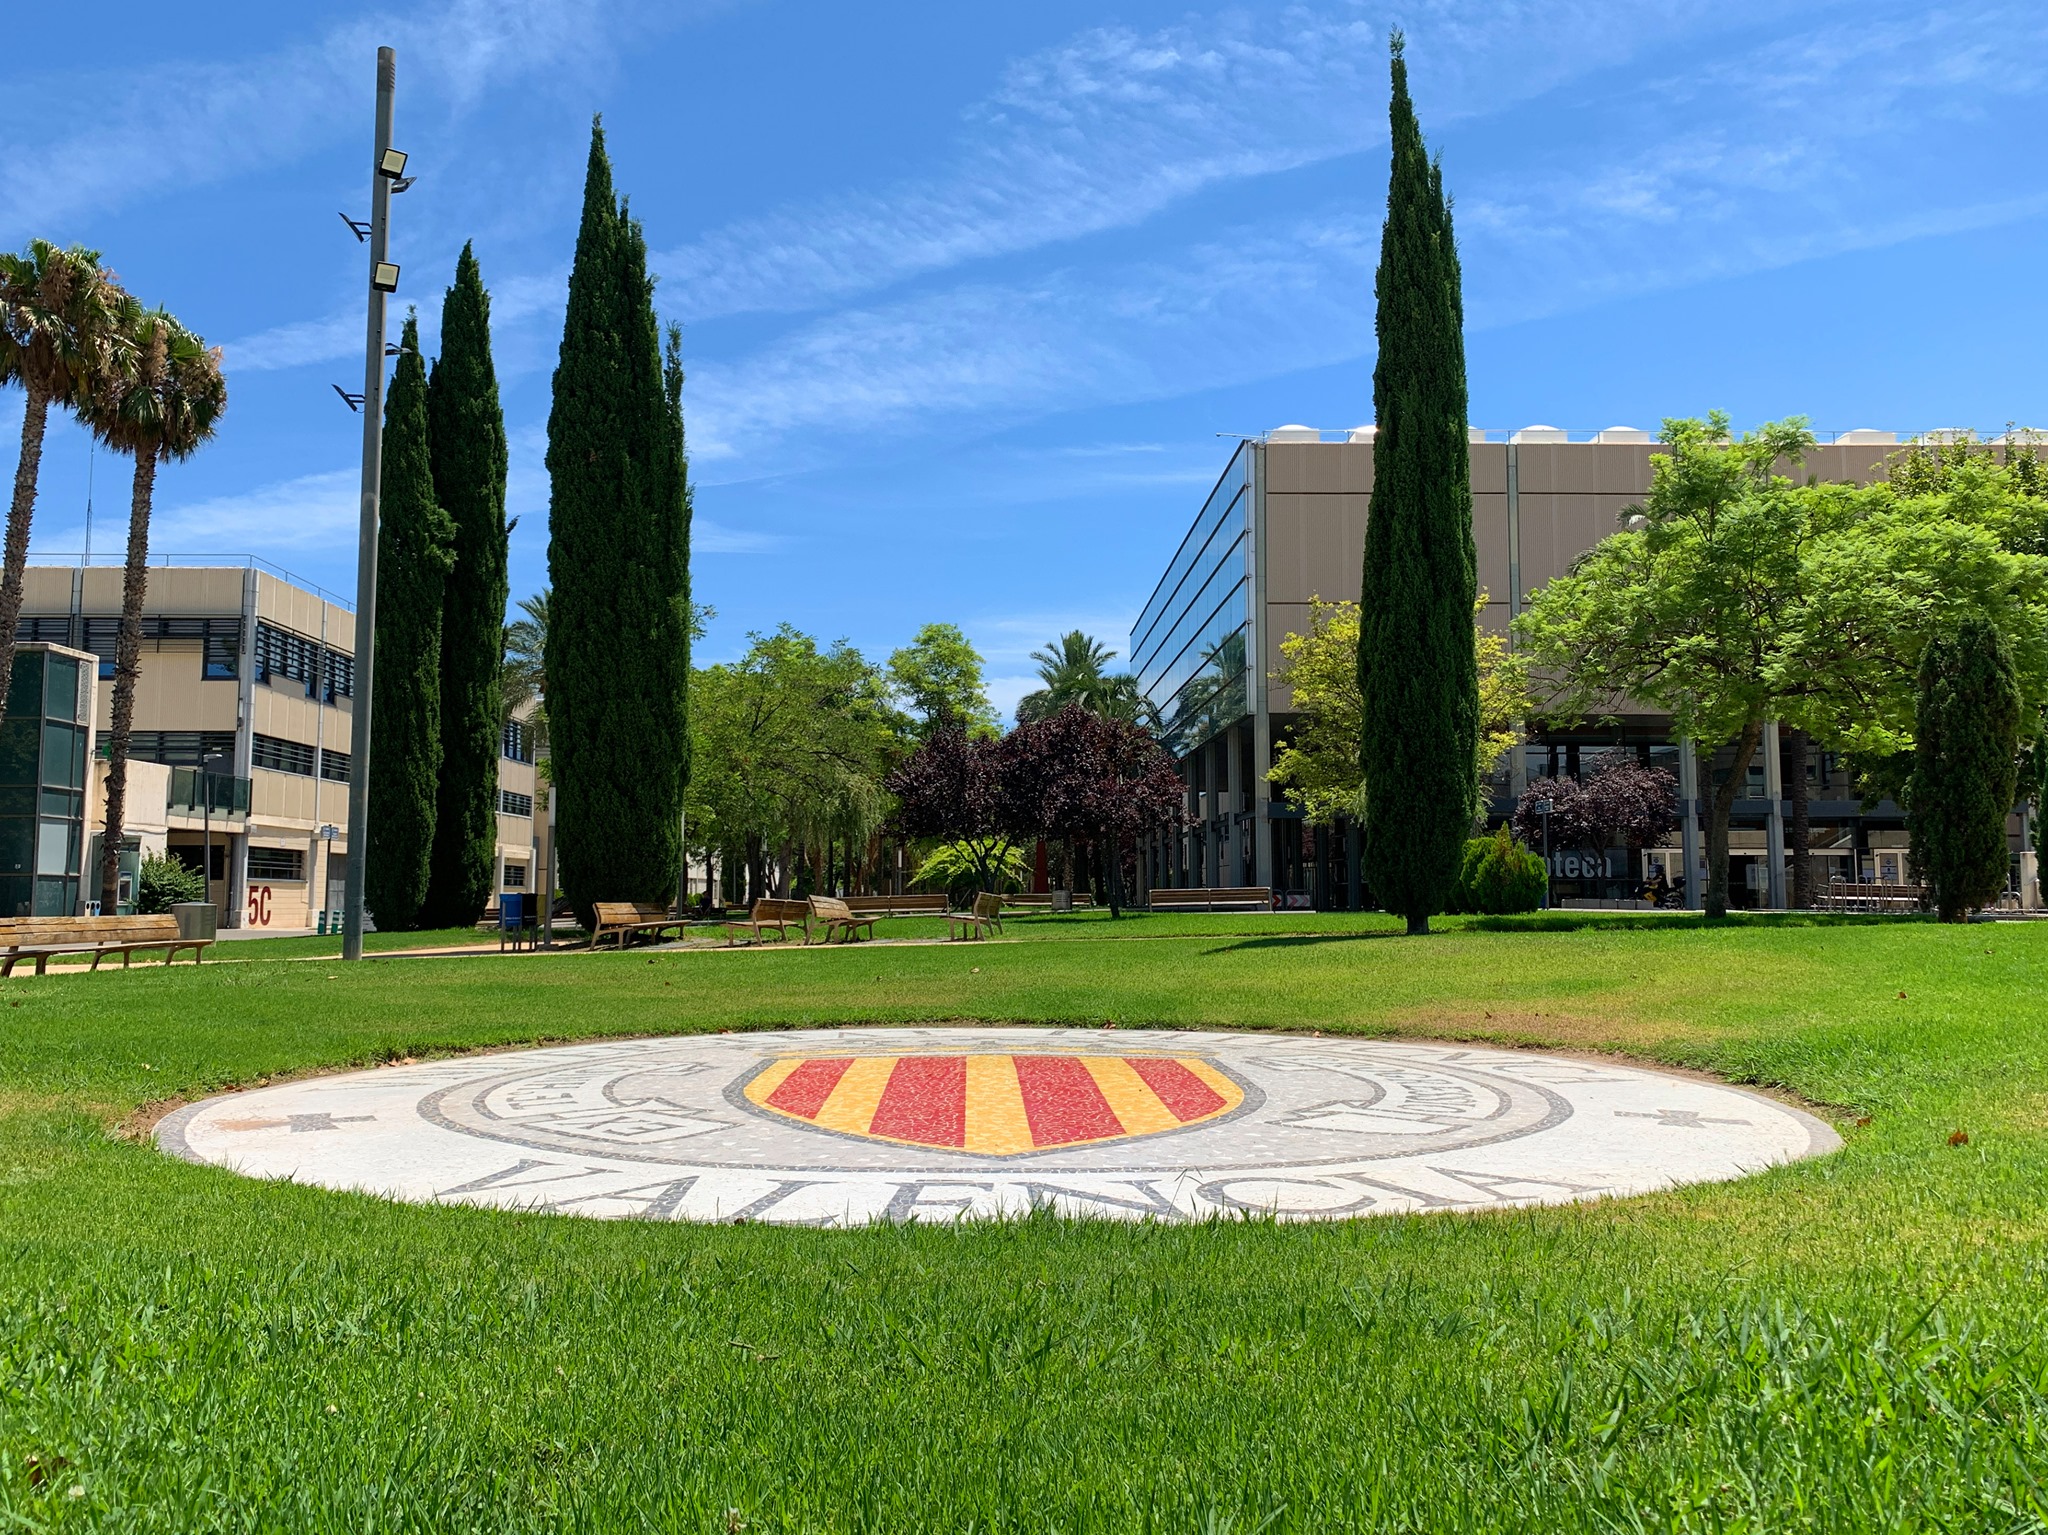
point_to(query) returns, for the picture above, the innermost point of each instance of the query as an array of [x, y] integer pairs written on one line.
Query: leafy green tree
[[1418, 673], [790, 745], [466, 434], [955, 867], [1964, 768], [163, 404], [415, 543], [1889, 566], [1505, 877], [938, 674], [618, 550], [62, 339], [1688, 612], [1318, 765]]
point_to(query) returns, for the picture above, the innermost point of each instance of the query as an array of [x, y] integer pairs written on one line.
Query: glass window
[[61, 702], [25, 696], [17, 843], [515, 876], [63, 756], [56, 847], [515, 804], [281, 756], [287, 863], [334, 765], [1230, 487]]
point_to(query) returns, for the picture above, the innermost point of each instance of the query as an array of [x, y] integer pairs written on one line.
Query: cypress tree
[[1417, 664], [618, 537], [413, 556], [1965, 768], [466, 432]]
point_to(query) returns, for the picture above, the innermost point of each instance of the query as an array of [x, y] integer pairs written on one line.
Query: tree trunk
[[34, 419], [127, 671], [1113, 874], [1720, 806], [1802, 827], [1418, 925], [754, 872]]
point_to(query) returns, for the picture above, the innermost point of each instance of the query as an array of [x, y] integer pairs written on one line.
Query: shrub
[[163, 882], [1507, 877], [951, 867], [1462, 898]]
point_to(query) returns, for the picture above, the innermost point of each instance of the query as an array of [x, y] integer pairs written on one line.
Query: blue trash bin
[[511, 916]]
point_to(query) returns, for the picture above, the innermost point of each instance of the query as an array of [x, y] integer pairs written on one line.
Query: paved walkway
[[841, 1126]]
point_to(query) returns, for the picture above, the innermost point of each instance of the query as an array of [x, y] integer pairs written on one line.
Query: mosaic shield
[[996, 1105]]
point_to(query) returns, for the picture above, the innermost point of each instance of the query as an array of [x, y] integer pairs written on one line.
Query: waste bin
[[1062, 900], [196, 919]]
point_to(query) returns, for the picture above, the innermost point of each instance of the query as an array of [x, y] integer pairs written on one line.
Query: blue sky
[[972, 290]]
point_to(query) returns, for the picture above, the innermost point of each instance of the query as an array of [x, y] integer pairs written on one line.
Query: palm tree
[[59, 341], [162, 406], [1072, 670], [524, 679]]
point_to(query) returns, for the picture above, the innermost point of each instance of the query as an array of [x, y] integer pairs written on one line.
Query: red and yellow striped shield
[[996, 1105]]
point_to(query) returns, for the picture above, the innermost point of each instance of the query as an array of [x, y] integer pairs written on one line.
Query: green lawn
[[1849, 1344]]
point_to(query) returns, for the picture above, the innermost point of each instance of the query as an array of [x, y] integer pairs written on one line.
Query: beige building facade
[[243, 733], [1285, 525]]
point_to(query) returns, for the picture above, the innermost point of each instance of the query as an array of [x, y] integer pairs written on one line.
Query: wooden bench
[[1214, 898], [1042, 901], [629, 917], [985, 917], [769, 912], [39, 938], [838, 917], [897, 905], [1845, 895]]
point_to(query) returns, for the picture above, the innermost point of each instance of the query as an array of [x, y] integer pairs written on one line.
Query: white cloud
[[157, 128], [1112, 126], [311, 512]]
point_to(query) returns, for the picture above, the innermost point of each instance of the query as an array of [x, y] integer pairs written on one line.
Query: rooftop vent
[[1865, 435], [1475, 434], [1294, 432], [1363, 434], [1621, 434], [1540, 434]]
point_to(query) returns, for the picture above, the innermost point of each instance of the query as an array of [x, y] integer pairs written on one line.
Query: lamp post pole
[[366, 548], [1543, 808]]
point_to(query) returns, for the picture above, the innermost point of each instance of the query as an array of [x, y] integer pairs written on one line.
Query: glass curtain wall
[[42, 784], [1188, 647]]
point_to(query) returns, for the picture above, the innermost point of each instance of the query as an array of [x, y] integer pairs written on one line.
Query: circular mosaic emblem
[[839, 1126]]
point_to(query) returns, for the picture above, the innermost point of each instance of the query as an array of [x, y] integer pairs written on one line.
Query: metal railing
[[115, 557], [221, 794]]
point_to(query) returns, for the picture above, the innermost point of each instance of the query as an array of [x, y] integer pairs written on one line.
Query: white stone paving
[[1326, 1128]]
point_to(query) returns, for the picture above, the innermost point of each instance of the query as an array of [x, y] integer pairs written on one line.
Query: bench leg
[[7, 969], [42, 963], [97, 956]]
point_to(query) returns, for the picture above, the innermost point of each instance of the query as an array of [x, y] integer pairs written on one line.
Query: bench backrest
[[897, 905], [830, 908], [988, 905], [1210, 895], [776, 909], [19, 930]]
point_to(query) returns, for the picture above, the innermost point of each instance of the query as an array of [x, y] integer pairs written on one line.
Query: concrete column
[[1689, 798], [1774, 826], [1234, 818]]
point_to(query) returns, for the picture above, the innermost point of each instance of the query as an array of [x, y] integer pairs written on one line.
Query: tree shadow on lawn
[[1592, 922]]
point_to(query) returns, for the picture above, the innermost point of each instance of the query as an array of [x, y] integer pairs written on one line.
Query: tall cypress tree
[[618, 537], [1965, 768], [466, 430], [1417, 664], [414, 543]]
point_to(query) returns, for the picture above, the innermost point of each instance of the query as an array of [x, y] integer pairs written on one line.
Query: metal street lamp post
[[387, 167], [1542, 808]]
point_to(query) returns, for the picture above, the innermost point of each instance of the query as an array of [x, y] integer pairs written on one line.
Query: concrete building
[[1285, 524], [242, 733]]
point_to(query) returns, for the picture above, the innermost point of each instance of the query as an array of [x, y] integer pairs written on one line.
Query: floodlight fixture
[[403, 184], [391, 164], [356, 227], [352, 401], [384, 276]]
